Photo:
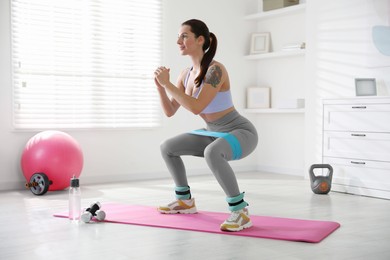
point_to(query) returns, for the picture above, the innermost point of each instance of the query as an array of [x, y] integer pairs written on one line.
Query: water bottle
[[74, 200]]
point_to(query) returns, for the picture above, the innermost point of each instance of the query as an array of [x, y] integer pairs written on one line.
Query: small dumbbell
[[93, 211]]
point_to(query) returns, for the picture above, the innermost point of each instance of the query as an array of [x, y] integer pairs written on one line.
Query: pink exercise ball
[[54, 153]]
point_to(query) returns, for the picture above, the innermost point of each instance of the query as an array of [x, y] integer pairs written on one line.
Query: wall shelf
[[278, 54], [275, 110], [276, 13]]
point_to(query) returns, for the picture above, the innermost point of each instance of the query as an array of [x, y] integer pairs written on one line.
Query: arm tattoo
[[213, 76]]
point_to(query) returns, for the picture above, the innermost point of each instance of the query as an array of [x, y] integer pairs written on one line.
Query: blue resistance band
[[231, 139]]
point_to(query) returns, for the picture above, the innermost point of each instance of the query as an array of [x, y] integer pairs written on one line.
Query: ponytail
[[210, 50], [199, 28]]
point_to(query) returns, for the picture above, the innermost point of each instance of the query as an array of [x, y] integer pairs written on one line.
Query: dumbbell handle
[[94, 207]]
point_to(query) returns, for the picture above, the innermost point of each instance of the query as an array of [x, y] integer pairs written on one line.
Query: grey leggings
[[216, 151]]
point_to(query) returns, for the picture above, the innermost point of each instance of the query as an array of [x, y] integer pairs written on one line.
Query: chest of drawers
[[356, 142]]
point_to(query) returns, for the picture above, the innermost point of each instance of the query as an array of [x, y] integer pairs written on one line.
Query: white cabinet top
[[357, 100]]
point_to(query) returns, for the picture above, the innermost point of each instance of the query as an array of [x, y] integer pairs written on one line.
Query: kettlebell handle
[[321, 166]]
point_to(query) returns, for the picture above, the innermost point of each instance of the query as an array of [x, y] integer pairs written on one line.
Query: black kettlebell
[[321, 184]]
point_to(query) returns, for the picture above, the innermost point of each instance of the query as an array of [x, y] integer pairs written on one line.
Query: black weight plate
[[41, 183]]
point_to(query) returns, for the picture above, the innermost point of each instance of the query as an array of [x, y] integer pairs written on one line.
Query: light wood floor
[[28, 230]]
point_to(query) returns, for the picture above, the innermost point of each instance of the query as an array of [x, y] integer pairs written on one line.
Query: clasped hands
[[161, 76]]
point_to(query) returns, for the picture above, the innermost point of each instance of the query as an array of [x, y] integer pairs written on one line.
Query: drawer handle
[[360, 163], [359, 107], [359, 135]]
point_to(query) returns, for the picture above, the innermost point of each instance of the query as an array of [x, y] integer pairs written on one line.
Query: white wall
[[115, 155], [340, 50]]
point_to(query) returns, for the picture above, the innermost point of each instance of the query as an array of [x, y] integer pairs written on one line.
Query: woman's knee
[[217, 149], [165, 147]]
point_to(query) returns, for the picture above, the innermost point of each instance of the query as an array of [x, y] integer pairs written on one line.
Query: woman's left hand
[[162, 75]]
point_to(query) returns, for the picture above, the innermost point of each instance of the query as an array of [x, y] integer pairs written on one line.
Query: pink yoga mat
[[311, 231]]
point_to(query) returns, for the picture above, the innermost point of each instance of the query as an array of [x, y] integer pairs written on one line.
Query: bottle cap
[[74, 183]]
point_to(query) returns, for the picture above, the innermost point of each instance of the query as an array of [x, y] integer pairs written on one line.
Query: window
[[85, 63]]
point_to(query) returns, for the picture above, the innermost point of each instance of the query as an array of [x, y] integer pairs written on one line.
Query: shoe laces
[[235, 214], [187, 202]]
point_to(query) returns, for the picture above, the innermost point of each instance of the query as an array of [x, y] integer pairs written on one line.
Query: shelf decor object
[[277, 13], [276, 4], [260, 43], [365, 87], [258, 97], [290, 103]]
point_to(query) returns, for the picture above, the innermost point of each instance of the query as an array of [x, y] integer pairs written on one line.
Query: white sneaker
[[237, 221], [179, 207]]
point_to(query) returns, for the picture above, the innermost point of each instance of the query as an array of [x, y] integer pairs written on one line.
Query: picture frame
[[258, 97], [365, 87], [260, 43]]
